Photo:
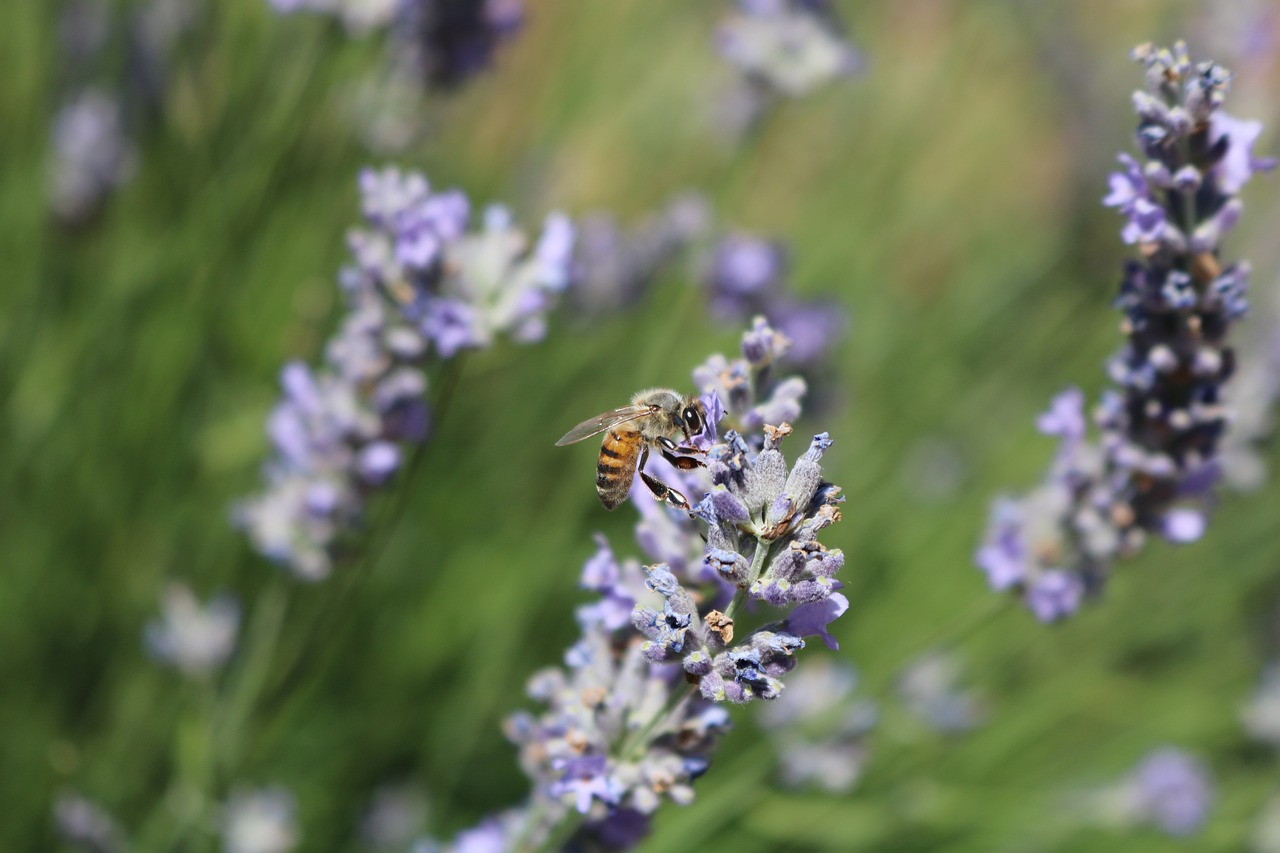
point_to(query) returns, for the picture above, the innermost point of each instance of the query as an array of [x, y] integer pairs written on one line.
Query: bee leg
[[674, 454], [665, 493]]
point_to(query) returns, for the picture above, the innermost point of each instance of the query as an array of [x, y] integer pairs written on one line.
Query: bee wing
[[600, 423]]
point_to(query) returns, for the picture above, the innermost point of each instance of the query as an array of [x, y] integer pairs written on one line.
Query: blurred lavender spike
[[84, 825], [423, 286], [194, 639], [930, 689], [779, 49], [259, 821], [439, 43], [820, 728], [788, 47], [615, 265], [1155, 464], [747, 275], [631, 719], [1170, 790], [92, 156]]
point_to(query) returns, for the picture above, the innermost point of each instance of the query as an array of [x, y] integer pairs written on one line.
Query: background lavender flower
[[440, 43], [84, 825], [1153, 468], [92, 156], [788, 47], [1261, 715], [930, 688], [747, 275], [446, 42], [192, 638], [358, 16], [615, 265], [394, 817], [421, 286], [1253, 396], [259, 821], [819, 728], [1171, 790]]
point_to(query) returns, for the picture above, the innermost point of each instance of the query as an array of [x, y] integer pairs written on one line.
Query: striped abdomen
[[616, 467]]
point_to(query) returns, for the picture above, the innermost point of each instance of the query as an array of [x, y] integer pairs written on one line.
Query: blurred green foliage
[[947, 199]]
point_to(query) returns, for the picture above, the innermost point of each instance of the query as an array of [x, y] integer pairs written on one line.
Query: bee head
[[690, 417]]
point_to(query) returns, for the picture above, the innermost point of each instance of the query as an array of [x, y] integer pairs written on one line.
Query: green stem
[[753, 574], [190, 794], [232, 709], [559, 837]]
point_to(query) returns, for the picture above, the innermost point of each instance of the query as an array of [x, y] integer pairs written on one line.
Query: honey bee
[[653, 420]]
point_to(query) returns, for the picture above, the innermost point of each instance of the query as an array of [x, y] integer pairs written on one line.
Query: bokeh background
[[947, 198]]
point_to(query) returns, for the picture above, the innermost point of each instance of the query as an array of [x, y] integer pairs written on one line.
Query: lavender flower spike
[[92, 155], [1156, 459], [422, 288], [790, 47], [259, 821], [196, 640], [631, 719]]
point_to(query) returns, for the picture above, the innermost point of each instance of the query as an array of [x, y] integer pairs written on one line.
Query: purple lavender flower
[[84, 825], [1261, 715], [1171, 790], [632, 717], [747, 275], [819, 728], [394, 817], [421, 286], [194, 639], [446, 42], [259, 821], [786, 47], [92, 156], [614, 266], [746, 387], [441, 43], [1154, 465], [930, 689]]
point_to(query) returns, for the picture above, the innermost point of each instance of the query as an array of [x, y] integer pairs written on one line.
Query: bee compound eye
[[693, 419]]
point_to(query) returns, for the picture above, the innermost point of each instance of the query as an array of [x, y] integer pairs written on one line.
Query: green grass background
[[947, 199]]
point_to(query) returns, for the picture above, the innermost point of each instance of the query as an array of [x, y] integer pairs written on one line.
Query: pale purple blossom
[[259, 821], [819, 727], [786, 47], [85, 825], [92, 155], [930, 688], [193, 638], [1171, 790]]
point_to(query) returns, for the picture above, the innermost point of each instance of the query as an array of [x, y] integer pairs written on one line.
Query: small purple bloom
[[1054, 595], [1132, 197], [1065, 417], [1003, 555], [1239, 163], [1183, 525], [1173, 791], [812, 619]]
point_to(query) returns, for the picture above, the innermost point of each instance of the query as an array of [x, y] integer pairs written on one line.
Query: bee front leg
[[679, 456]]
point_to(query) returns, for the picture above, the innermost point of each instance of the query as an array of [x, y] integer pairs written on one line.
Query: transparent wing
[[600, 423]]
